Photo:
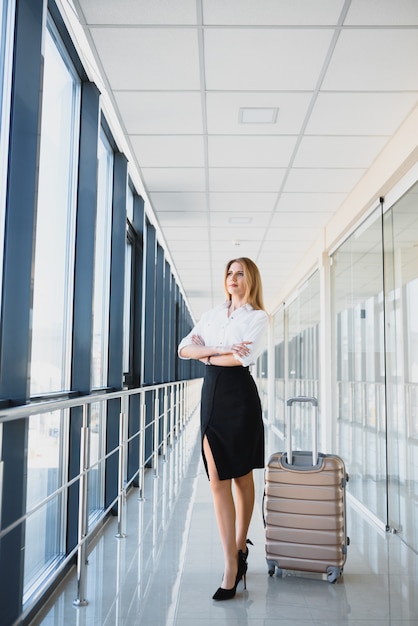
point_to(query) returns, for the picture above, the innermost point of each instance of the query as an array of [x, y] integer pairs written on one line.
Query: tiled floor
[[166, 569]]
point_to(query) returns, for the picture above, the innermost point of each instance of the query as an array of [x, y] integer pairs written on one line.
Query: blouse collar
[[245, 306]]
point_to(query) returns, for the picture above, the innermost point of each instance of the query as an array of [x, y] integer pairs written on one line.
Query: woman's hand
[[240, 349], [237, 349]]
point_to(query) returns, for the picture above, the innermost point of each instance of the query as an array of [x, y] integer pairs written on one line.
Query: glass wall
[[279, 368], [401, 286], [52, 303], [375, 300], [296, 359], [357, 289], [302, 361]]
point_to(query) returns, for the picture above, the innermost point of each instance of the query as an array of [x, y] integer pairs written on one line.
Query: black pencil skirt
[[231, 420]]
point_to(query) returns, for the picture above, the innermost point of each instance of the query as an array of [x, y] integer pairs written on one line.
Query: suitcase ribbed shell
[[304, 510]]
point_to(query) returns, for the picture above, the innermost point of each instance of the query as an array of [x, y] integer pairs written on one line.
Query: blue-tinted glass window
[[52, 307], [55, 222], [6, 49]]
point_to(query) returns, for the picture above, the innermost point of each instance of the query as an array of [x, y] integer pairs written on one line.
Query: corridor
[[166, 569]]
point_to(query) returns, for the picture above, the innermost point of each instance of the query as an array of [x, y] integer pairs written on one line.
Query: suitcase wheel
[[272, 568], [333, 573]]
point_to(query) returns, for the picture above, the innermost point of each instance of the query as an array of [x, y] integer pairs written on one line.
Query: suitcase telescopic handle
[[314, 402]]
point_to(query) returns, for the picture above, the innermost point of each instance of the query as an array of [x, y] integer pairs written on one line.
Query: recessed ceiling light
[[258, 115], [240, 220]]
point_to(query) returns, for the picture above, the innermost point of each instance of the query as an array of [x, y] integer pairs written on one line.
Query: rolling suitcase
[[304, 507]]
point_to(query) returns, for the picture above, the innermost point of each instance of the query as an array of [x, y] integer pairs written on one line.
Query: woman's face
[[235, 280]]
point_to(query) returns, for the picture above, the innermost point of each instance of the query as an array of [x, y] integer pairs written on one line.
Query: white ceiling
[[343, 75]]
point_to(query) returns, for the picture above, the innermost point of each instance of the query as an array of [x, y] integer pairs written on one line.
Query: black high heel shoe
[[243, 556], [227, 594]]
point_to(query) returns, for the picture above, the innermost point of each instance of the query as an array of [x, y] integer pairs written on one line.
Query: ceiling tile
[[250, 151], [160, 112], [187, 179], [166, 150], [154, 58], [178, 232], [245, 179], [382, 12], [236, 233], [181, 248], [310, 201], [275, 244], [338, 152], [140, 11], [373, 113], [271, 12], [182, 218], [300, 233], [227, 219], [225, 249], [242, 202], [294, 219], [179, 201], [258, 59], [374, 60], [316, 180]]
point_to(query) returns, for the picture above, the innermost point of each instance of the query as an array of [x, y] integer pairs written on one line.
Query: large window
[[102, 264], [128, 300], [52, 301], [55, 223], [6, 48], [101, 297]]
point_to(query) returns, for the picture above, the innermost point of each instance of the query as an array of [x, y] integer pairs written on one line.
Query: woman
[[229, 338]]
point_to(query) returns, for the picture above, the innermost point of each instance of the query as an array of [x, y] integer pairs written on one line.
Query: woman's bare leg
[[225, 517], [244, 487]]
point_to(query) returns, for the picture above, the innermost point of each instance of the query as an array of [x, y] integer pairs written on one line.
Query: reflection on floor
[[166, 569]]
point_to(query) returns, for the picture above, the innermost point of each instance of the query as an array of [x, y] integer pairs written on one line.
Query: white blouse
[[244, 324]]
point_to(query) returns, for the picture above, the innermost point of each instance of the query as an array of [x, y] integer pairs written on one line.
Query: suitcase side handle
[[314, 402]]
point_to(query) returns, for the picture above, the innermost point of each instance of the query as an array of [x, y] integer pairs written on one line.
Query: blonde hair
[[253, 285]]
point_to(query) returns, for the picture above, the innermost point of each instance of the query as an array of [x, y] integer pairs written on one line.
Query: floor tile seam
[[148, 586], [175, 592]]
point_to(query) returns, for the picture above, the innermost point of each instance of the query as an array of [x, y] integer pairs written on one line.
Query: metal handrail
[[13, 413], [180, 398]]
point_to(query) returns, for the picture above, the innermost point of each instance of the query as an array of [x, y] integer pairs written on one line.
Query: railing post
[[183, 405], [156, 431], [178, 402], [187, 403], [121, 471], [172, 413], [165, 418], [82, 511], [141, 476]]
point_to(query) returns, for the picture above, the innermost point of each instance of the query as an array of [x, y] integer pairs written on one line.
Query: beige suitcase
[[304, 507]]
